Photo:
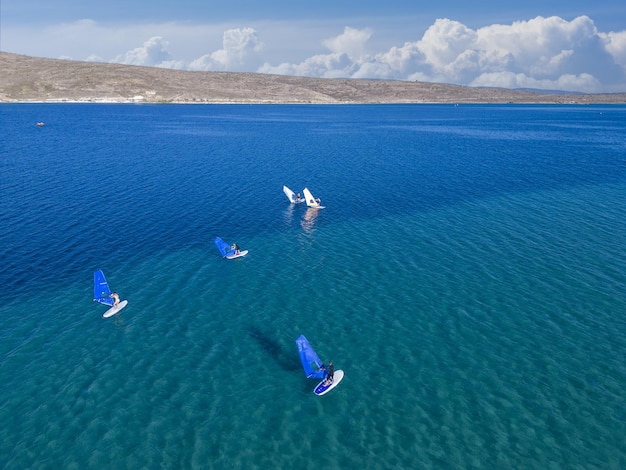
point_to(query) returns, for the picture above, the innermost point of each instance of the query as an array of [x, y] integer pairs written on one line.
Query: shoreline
[[344, 103]]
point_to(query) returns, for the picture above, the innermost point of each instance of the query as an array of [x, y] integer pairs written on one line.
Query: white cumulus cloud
[[351, 42], [548, 53], [347, 52], [615, 44], [544, 53], [241, 47], [152, 53]]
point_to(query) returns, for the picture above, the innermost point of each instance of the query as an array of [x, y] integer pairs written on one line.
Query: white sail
[[293, 198], [310, 200], [290, 194]]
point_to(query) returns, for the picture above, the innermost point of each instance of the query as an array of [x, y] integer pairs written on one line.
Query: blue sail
[[310, 360], [224, 247], [101, 291]]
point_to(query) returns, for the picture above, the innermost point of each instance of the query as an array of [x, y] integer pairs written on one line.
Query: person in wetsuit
[[330, 373]]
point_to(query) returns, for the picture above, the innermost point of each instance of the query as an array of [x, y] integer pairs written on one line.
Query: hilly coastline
[[33, 79]]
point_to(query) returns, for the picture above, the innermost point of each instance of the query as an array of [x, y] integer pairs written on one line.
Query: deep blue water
[[468, 275]]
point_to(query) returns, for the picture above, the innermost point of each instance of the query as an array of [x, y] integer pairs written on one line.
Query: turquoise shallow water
[[468, 275]]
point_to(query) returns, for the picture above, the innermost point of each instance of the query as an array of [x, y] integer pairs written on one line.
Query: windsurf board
[[113, 310], [322, 389], [237, 255]]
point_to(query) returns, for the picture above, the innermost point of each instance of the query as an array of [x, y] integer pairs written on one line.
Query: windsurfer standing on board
[[330, 373], [116, 299], [236, 248]]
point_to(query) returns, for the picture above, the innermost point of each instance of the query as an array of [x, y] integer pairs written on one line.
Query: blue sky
[[574, 45]]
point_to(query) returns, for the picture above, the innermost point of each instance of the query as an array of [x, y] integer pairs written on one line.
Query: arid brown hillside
[[24, 78]]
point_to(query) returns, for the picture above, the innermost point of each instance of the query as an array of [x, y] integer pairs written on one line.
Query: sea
[[468, 275]]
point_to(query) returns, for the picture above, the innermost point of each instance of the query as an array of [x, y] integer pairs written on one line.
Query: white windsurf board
[[113, 310], [237, 255], [322, 389]]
